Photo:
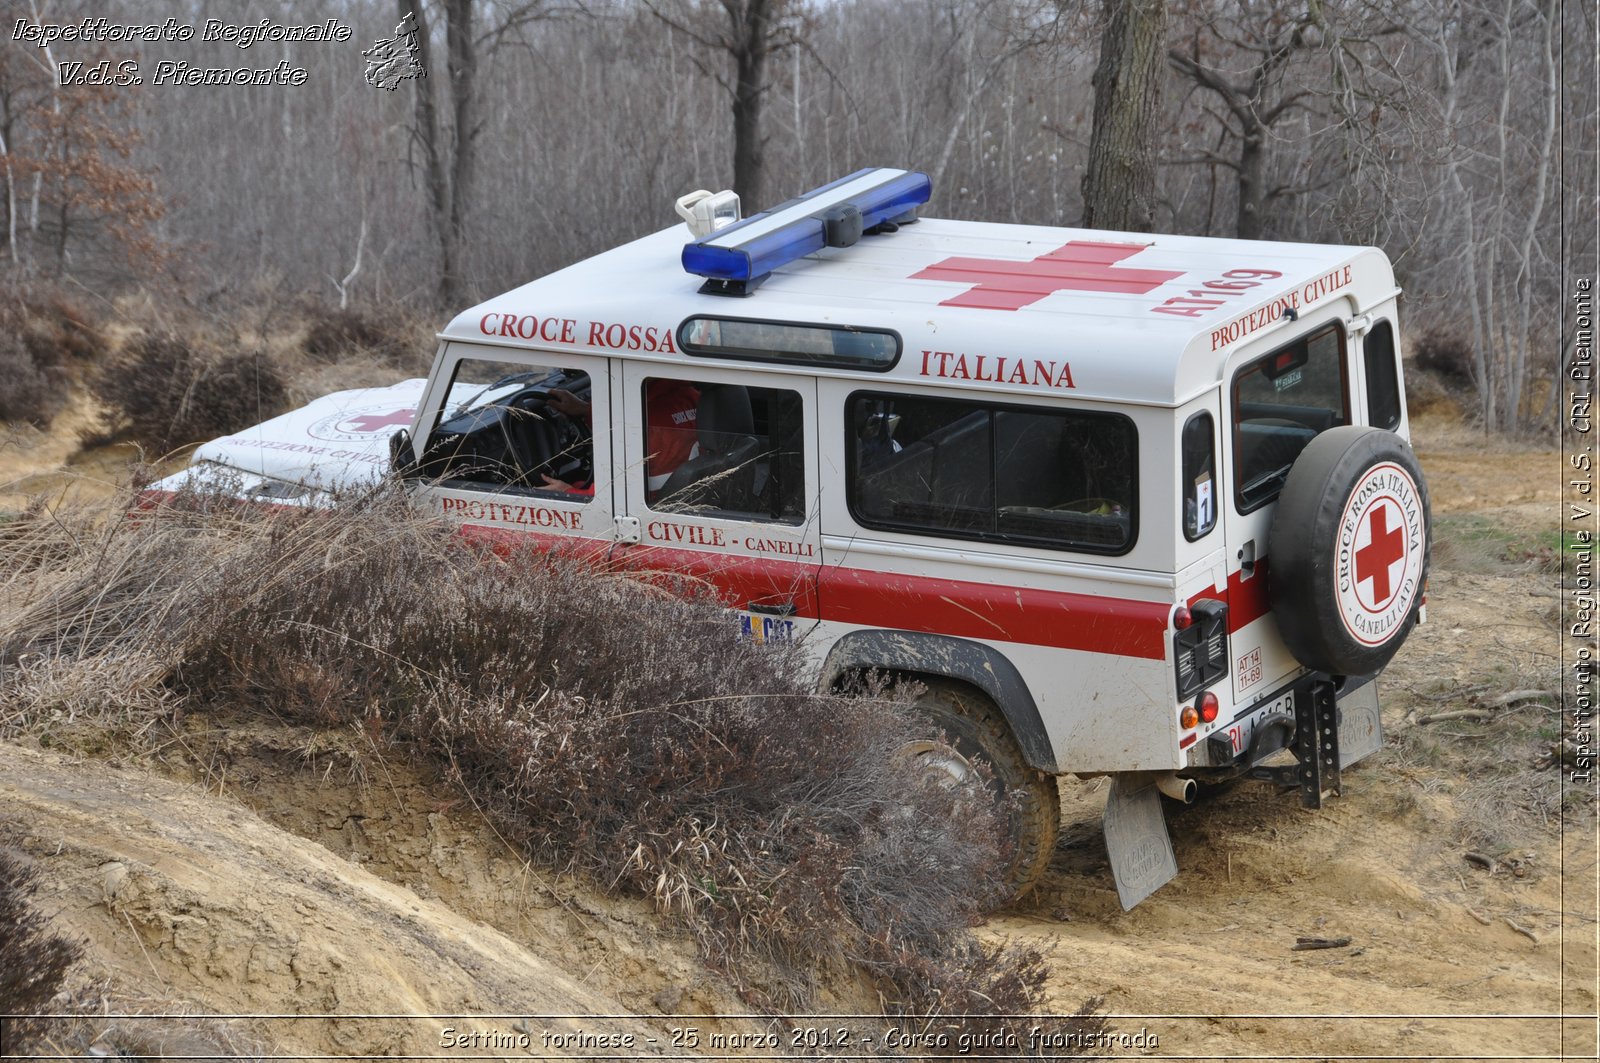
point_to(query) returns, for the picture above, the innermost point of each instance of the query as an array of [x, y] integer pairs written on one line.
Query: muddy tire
[[978, 731], [1349, 550]]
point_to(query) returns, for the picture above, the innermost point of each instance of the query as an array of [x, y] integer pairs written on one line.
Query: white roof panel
[[1120, 316]]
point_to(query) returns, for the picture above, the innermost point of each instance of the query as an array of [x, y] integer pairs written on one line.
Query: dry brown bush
[[1446, 352], [335, 335], [164, 393], [605, 724], [42, 336], [30, 392], [60, 330]]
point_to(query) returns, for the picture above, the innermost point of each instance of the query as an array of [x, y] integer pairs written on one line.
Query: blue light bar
[[737, 258]]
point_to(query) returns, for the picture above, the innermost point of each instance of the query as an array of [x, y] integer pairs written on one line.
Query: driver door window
[[515, 442], [514, 428]]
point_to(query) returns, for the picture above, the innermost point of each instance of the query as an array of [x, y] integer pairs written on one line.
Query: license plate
[[756, 627], [1241, 730]]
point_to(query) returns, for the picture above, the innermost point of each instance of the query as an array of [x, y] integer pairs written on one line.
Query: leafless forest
[[1458, 135]]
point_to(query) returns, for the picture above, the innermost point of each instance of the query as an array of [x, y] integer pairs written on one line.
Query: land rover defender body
[[1139, 506]]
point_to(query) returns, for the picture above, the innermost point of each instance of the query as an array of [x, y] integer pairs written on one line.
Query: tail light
[[1189, 718], [1200, 650], [1208, 707]]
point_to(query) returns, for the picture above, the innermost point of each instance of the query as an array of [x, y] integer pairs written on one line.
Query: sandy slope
[[184, 894]]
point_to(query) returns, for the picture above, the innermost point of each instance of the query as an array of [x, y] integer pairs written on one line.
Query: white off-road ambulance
[[1124, 505]]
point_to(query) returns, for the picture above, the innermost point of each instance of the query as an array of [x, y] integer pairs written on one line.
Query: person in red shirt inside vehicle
[[670, 410]]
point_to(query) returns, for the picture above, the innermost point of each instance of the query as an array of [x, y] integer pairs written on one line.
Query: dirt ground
[[259, 869]]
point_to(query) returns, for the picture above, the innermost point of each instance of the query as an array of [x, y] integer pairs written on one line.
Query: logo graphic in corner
[[1380, 552], [361, 424]]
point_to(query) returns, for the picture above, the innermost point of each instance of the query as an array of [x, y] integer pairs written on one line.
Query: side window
[[1012, 474], [724, 450], [1280, 403], [511, 427], [1383, 377], [1199, 476]]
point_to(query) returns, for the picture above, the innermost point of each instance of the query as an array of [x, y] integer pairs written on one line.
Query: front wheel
[[978, 731]]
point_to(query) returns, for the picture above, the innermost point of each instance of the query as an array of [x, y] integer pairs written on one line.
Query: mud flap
[[1360, 724], [1136, 838]]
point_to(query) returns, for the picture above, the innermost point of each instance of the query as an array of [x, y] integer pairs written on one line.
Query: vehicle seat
[[721, 475]]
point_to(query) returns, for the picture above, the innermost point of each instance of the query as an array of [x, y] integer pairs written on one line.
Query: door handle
[[772, 608], [1247, 560]]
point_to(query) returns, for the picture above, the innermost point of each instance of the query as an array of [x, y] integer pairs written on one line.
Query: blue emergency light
[[738, 257]]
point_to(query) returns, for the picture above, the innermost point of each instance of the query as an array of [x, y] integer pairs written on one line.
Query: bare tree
[[746, 36], [1241, 64], [1119, 185], [448, 153]]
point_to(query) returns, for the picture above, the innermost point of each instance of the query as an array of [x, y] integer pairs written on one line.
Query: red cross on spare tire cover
[[1350, 546]]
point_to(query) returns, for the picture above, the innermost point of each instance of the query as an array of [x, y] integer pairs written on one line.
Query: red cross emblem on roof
[[1374, 560], [371, 422], [1079, 265]]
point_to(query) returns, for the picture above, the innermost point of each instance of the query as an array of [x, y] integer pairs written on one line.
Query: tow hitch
[[1315, 747], [1330, 734]]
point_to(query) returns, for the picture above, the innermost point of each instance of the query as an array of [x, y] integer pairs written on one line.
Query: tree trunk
[[750, 60], [463, 81], [435, 177], [1252, 177], [1119, 184]]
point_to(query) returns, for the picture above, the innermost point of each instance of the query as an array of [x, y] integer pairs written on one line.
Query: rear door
[[1277, 402], [718, 469]]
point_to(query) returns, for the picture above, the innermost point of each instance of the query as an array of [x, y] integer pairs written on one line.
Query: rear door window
[[1281, 402]]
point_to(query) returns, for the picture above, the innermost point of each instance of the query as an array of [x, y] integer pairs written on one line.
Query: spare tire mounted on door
[[1350, 547]]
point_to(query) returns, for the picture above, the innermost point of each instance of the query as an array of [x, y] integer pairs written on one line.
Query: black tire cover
[[1349, 550]]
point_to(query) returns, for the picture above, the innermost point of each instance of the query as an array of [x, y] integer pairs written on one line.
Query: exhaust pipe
[[1178, 789]]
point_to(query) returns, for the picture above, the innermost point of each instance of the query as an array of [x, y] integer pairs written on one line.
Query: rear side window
[[1199, 476], [1063, 480], [1280, 403], [1383, 377]]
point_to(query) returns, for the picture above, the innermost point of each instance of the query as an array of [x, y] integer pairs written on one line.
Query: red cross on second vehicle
[[373, 422], [363, 423]]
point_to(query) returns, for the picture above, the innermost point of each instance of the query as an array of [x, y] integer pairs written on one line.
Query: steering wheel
[[574, 440]]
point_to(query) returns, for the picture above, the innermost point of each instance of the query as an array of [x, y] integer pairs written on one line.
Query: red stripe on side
[[506, 542], [1086, 622], [739, 581], [1119, 626]]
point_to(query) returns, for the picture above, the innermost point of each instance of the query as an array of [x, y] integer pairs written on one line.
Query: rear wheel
[[974, 725]]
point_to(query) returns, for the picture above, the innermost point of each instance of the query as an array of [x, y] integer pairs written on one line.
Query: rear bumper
[[1271, 725]]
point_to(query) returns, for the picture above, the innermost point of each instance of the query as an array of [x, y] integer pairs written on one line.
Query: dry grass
[[606, 725], [389, 334]]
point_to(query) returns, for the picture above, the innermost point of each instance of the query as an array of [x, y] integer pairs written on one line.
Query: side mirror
[[402, 458]]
